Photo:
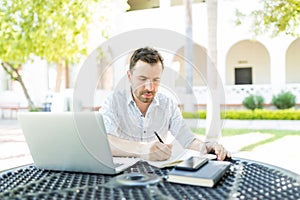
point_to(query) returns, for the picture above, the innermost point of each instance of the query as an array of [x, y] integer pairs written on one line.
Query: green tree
[[15, 48], [275, 17], [57, 31]]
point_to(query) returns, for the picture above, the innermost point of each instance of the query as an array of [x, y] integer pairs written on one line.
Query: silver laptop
[[70, 141]]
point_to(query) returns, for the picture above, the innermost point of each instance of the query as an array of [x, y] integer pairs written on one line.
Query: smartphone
[[192, 164]]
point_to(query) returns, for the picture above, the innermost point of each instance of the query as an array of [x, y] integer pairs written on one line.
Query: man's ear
[[129, 75]]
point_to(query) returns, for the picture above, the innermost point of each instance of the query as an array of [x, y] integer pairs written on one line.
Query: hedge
[[287, 114]]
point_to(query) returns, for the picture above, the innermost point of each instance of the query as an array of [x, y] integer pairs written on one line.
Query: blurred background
[[253, 47]]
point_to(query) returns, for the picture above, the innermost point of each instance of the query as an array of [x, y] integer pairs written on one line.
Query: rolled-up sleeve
[[108, 116], [179, 128]]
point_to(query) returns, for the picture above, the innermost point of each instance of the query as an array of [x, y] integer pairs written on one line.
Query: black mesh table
[[244, 180]]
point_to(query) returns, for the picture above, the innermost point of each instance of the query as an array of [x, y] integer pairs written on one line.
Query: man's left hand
[[218, 149]]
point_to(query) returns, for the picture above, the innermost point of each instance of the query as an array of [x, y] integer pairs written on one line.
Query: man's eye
[[143, 79]]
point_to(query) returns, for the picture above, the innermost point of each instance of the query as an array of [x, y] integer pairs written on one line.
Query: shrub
[[238, 114], [195, 115], [253, 102], [286, 114], [34, 110], [284, 100]]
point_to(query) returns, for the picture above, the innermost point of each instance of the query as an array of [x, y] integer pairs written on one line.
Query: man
[[133, 118]]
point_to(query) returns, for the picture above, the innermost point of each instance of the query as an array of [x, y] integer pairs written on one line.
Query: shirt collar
[[129, 97], [155, 100]]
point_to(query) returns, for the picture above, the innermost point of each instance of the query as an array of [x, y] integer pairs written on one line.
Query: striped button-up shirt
[[123, 119]]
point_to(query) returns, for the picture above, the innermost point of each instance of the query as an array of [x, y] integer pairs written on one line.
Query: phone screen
[[192, 163]]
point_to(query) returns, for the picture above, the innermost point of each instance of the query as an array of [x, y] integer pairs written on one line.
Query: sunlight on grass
[[276, 134]]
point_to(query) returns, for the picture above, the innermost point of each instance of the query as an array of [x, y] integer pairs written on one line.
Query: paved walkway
[[13, 147], [251, 124], [284, 152]]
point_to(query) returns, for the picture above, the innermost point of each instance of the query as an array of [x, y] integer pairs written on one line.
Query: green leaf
[[280, 16]]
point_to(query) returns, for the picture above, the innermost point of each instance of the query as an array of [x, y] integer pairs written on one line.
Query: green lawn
[[276, 134]]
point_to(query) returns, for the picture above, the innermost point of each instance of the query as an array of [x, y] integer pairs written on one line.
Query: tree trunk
[[67, 75], [189, 47], [189, 58], [59, 69], [213, 120], [14, 75]]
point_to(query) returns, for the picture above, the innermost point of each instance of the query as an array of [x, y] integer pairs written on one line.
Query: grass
[[275, 135]]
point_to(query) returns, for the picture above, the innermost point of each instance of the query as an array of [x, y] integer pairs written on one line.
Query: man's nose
[[149, 85]]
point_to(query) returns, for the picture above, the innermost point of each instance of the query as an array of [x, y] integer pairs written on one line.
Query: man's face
[[145, 79]]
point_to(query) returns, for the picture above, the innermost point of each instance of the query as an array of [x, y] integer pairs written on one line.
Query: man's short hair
[[146, 54]]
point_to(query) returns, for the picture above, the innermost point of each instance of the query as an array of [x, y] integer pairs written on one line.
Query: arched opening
[[293, 62], [248, 62]]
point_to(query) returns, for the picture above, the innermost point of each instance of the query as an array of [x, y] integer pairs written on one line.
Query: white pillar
[[277, 66], [278, 48]]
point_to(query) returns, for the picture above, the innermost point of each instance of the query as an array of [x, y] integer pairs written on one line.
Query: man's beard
[[139, 96]]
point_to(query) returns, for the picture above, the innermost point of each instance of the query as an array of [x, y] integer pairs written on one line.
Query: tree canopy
[[51, 30], [275, 17], [56, 30]]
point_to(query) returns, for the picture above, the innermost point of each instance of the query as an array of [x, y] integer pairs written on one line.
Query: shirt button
[[144, 131]]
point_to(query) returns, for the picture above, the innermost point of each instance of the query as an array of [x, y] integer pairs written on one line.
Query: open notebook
[[178, 155]]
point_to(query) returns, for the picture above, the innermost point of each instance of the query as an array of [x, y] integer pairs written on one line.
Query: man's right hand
[[159, 151], [154, 151]]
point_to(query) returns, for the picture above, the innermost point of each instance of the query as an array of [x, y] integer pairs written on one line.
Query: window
[[243, 75]]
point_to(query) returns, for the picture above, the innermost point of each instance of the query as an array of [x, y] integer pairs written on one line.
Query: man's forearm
[[198, 145], [126, 148]]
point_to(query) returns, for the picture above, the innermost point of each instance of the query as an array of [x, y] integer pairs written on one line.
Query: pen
[[158, 137]]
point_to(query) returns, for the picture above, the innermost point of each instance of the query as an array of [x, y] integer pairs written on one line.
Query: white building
[[263, 66], [246, 65]]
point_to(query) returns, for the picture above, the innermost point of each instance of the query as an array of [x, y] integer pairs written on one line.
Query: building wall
[[293, 62], [275, 61], [249, 54], [235, 43]]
